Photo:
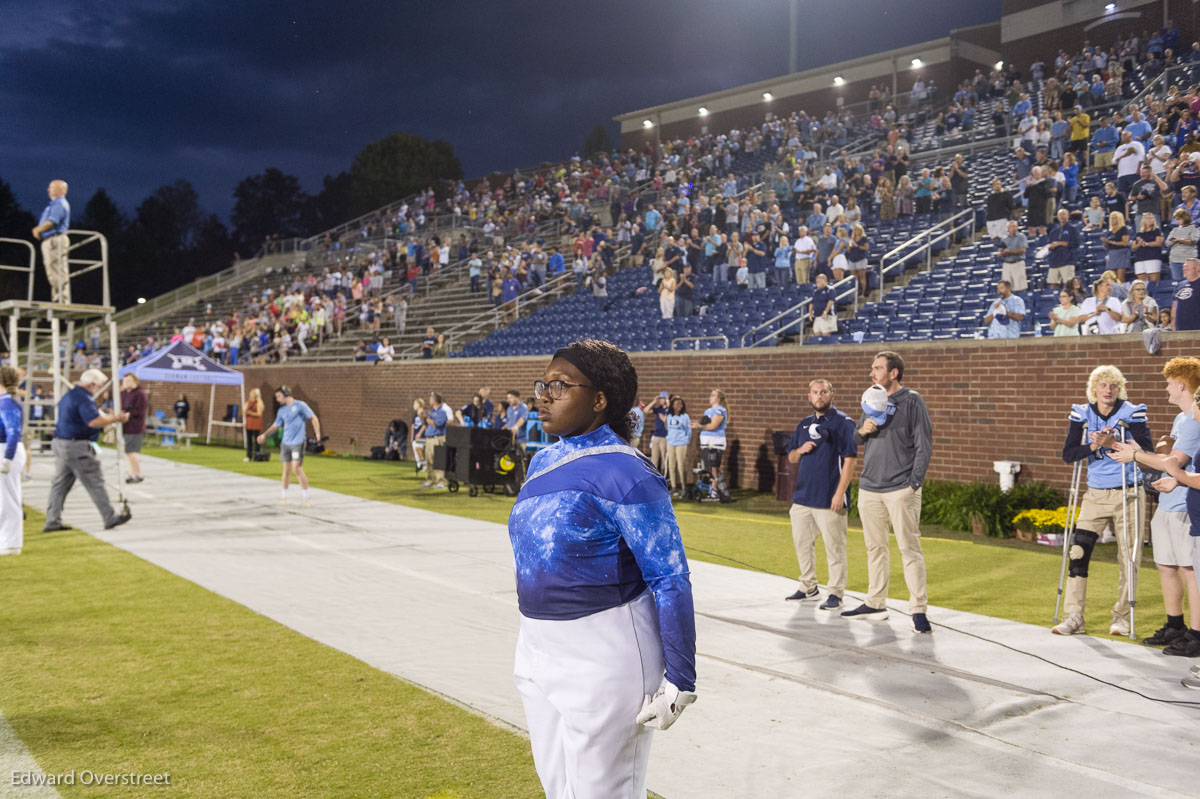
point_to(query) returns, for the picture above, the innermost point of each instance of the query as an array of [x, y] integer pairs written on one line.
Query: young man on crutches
[[1114, 495]]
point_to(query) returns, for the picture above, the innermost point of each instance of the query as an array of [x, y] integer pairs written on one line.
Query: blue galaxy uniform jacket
[[592, 528]]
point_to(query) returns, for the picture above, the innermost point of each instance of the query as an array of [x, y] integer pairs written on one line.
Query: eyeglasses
[[555, 388]]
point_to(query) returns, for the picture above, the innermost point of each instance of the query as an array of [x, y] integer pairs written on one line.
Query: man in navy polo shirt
[[1185, 310], [756, 258], [79, 424], [824, 449], [52, 233], [658, 438]]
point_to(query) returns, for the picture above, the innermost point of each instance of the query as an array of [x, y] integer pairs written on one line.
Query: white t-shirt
[[1130, 164], [1159, 163], [805, 247], [1107, 325]]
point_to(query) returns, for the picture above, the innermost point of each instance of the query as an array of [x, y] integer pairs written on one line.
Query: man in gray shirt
[[1012, 253], [896, 438]]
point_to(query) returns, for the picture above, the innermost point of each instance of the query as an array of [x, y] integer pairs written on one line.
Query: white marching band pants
[[582, 683], [11, 523]]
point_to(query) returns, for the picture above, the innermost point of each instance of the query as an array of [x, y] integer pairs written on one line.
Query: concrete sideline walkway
[[793, 700]]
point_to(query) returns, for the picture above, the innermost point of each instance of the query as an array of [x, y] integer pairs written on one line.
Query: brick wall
[[989, 400]]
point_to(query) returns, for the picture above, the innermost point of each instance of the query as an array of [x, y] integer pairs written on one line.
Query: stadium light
[[768, 96], [703, 111], [1111, 7], [917, 63], [141, 300], [838, 81], [647, 123], [999, 65]]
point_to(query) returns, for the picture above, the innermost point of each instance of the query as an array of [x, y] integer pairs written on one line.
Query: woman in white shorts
[[1146, 249]]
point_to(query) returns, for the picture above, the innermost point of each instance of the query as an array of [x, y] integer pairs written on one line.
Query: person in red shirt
[[133, 401]]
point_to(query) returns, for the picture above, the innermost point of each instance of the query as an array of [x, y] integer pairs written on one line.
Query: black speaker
[[476, 456]]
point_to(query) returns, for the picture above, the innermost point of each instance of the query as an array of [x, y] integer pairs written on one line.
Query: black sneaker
[[1185, 646], [1165, 635], [832, 602], [921, 623], [801, 596], [117, 522], [865, 611], [54, 528]]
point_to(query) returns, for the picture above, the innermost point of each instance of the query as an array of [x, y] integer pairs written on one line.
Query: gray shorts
[[291, 452], [133, 442], [1171, 538]]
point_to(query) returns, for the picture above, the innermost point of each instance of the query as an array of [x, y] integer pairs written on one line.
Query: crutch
[[1133, 542], [1069, 525]]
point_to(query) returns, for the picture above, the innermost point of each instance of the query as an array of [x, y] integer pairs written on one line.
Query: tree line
[[170, 240]]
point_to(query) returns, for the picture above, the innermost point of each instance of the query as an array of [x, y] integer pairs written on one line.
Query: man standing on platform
[[823, 447], [52, 233], [897, 440], [75, 456]]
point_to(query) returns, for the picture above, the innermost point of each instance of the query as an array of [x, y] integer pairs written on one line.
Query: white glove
[[660, 711], [5, 466]]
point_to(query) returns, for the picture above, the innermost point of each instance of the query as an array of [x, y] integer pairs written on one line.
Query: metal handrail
[[846, 283], [698, 339], [910, 244], [30, 270]]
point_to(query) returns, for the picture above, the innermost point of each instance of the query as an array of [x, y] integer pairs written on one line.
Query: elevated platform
[[73, 312]]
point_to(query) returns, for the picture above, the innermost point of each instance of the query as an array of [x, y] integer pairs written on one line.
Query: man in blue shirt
[[51, 231], [1104, 142], [1007, 311], [79, 423], [435, 436], [515, 416], [756, 261], [1170, 527], [653, 219], [824, 451], [1063, 241], [292, 417]]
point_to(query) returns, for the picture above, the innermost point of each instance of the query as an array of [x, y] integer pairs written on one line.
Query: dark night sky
[[132, 94]]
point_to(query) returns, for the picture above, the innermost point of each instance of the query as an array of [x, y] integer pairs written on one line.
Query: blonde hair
[[1107, 374], [256, 394], [1116, 220], [93, 377], [1149, 218]]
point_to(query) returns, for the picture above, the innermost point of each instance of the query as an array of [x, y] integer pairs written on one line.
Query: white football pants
[[582, 682]]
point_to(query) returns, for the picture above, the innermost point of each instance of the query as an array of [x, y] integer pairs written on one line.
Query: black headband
[[569, 355]]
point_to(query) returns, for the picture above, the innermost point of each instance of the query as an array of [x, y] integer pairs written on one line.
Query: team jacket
[[10, 426], [592, 527], [1103, 471]]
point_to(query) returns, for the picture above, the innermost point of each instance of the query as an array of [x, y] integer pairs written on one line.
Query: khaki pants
[[436, 475], [1100, 508], [831, 525], [54, 254], [902, 510], [658, 453], [676, 467], [801, 268]]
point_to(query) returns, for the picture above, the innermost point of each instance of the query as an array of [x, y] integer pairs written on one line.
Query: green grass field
[[114, 665]]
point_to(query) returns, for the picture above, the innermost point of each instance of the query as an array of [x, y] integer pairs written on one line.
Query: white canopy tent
[[182, 363]]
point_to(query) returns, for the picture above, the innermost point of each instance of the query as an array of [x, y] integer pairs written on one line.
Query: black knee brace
[[1082, 544]]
